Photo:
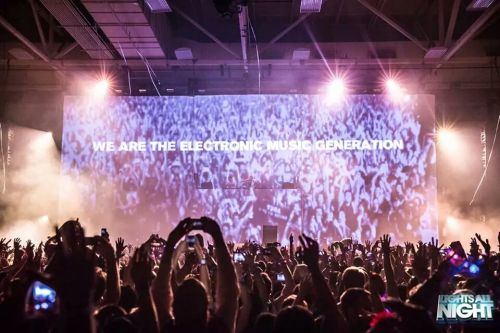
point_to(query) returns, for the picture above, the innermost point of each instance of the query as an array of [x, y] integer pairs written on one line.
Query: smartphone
[[191, 241], [280, 277], [238, 257], [457, 248], [196, 224], [40, 299], [90, 241]]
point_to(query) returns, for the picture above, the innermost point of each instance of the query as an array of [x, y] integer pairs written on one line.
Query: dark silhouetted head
[[190, 304], [294, 319]]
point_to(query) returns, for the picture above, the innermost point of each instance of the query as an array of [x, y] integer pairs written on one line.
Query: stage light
[[335, 91], [43, 140], [395, 91], [100, 88], [451, 222], [43, 219], [446, 136]]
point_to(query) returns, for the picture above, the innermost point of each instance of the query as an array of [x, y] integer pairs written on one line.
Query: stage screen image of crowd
[[358, 168]]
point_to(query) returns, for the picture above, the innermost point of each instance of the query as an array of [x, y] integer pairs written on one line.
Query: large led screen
[[356, 169]]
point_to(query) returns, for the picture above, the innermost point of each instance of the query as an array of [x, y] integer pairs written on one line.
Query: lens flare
[[446, 136], [100, 88], [395, 90], [335, 91]]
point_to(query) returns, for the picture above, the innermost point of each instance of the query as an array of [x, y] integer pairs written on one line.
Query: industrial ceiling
[[194, 46]]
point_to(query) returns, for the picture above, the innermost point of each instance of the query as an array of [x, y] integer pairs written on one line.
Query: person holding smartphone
[[187, 309]]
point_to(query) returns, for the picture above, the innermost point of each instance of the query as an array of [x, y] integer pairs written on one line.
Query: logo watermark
[[464, 308]]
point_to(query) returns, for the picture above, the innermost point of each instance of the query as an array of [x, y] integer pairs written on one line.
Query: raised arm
[[392, 288], [142, 265], [204, 273], [227, 284], [289, 282], [104, 248], [162, 288], [326, 301]]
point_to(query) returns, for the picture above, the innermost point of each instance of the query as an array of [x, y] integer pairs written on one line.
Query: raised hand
[[368, 245], [434, 248], [210, 226], [120, 247], [17, 244], [421, 247], [420, 262], [4, 246], [30, 249], [486, 244], [284, 252], [310, 251], [474, 247], [104, 247], [141, 268], [249, 262], [385, 242], [408, 247], [38, 254], [343, 248], [179, 231]]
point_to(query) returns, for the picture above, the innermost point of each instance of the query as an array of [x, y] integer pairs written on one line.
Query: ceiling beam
[[285, 31], [163, 63], [380, 6], [441, 30], [473, 29], [393, 24], [452, 22], [39, 26], [23, 40], [339, 11], [205, 31], [66, 50]]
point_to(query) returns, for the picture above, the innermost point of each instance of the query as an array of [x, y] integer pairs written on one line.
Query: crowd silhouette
[[193, 280]]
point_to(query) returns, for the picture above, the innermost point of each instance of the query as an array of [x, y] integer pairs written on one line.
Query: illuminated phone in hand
[[41, 300], [238, 257], [191, 241]]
